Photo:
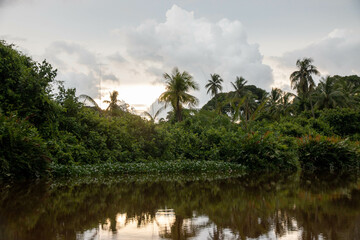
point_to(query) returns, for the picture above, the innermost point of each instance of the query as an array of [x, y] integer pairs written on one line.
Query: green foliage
[[207, 136], [23, 152], [155, 167], [248, 127], [25, 88], [344, 121], [328, 153]]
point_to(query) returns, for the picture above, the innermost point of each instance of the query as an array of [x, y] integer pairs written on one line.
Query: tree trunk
[[178, 111]]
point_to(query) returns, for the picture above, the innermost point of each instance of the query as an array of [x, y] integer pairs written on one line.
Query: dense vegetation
[[42, 130]]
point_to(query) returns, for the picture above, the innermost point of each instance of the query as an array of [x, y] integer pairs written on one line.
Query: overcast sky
[[128, 45]]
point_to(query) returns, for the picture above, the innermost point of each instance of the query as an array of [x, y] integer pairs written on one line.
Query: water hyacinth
[[173, 167]]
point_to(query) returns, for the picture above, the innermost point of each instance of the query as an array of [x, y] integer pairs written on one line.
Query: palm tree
[[214, 84], [152, 113], [349, 90], [302, 81], [247, 98], [115, 104], [177, 87], [327, 96], [92, 101], [273, 103], [286, 104], [239, 86]]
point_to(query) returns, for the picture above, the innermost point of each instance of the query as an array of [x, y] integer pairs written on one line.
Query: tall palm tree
[[239, 86], [115, 104], [327, 96], [302, 81], [177, 87], [286, 104], [273, 103], [214, 84]]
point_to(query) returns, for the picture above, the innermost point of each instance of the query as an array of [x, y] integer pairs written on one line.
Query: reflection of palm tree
[[180, 231], [177, 87], [217, 234]]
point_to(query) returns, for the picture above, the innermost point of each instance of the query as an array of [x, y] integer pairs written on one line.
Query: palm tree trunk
[[312, 107], [178, 111]]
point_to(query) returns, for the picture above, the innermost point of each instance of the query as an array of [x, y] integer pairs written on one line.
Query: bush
[[260, 152], [23, 152], [344, 121], [328, 153]]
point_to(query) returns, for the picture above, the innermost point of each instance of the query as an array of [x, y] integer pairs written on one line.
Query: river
[[261, 206]]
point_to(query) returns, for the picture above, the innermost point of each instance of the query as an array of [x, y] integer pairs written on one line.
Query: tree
[[177, 87], [214, 84], [302, 81], [273, 103], [115, 104], [92, 101], [154, 111], [247, 103], [350, 89], [239, 86], [25, 88], [327, 95]]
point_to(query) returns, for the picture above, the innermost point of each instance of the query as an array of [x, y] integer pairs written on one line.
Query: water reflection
[[268, 207]]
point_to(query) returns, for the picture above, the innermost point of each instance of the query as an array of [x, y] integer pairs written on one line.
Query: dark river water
[[191, 207]]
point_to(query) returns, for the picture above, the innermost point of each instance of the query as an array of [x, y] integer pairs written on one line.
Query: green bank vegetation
[[46, 129]]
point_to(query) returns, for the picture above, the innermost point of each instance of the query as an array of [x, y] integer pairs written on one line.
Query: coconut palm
[[286, 104], [214, 84], [349, 90], [302, 81], [177, 87], [115, 104], [327, 95], [152, 113], [273, 102], [239, 86], [92, 101]]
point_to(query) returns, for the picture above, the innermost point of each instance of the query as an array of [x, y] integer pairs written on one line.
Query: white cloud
[[78, 67], [196, 45], [335, 54]]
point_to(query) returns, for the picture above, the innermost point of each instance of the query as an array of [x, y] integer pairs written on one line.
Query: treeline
[[40, 129]]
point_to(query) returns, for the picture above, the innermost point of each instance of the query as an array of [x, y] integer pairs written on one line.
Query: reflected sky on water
[[296, 206]]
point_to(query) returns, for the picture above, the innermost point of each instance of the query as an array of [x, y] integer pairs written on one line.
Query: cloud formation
[[78, 67], [196, 45], [335, 54]]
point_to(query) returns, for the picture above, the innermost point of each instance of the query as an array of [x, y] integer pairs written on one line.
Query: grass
[[173, 167]]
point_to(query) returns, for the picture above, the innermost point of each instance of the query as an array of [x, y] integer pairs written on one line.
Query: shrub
[[23, 152], [344, 121], [328, 153], [260, 152]]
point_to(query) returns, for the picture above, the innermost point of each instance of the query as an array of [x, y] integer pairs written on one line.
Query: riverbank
[[171, 167]]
